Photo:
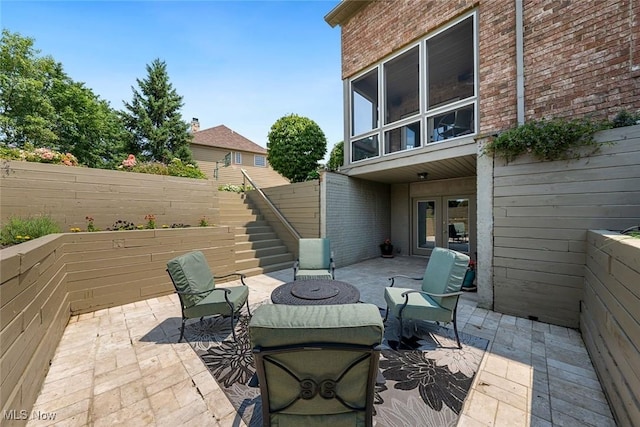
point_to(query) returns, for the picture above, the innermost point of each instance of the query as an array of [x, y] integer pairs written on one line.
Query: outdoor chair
[[316, 364], [199, 296], [437, 300], [314, 260]]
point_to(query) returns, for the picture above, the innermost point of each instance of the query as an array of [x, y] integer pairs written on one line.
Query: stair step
[[267, 269], [258, 248], [260, 253], [243, 222], [263, 261], [253, 229], [255, 237], [258, 244]]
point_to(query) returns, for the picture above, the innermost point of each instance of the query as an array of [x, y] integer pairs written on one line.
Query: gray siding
[[610, 319], [542, 211]]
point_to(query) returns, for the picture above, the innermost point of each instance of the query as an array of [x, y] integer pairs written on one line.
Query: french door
[[442, 221]]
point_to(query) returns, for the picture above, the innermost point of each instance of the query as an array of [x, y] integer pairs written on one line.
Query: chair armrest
[[242, 277], [193, 293], [452, 294], [405, 277]]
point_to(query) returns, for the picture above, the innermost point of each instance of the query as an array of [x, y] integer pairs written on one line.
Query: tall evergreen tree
[[157, 131]]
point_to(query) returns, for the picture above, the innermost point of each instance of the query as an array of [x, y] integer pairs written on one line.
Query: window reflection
[[364, 101], [364, 148], [402, 138]]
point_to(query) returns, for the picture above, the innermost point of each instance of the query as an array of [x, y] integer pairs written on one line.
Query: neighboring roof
[[340, 14], [223, 137]]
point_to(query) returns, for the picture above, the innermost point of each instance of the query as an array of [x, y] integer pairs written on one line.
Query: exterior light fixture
[[423, 175]]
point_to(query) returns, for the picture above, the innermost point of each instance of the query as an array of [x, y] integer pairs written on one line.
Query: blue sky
[[243, 64]]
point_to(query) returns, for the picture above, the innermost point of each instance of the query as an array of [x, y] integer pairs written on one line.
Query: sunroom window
[[423, 95], [365, 148], [364, 103], [402, 86], [402, 138]]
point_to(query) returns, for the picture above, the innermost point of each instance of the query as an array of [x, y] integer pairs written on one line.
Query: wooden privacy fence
[[610, 319], [70, 194], [45, 281]]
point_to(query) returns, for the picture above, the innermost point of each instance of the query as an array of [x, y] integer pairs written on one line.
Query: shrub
[[235, 188], [555, 139], [18, 230], [38, 155], [185, 170], [625, 118], [122, 225], [175, 168]]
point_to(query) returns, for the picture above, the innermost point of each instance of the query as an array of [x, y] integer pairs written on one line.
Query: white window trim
[[237, 155]]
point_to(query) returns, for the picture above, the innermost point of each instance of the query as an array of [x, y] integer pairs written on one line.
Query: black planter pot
[[386, 250]]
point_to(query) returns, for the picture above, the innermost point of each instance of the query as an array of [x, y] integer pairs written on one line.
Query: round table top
[[315, 292]]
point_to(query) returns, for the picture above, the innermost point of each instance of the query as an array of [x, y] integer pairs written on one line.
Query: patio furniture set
[[316, 347]]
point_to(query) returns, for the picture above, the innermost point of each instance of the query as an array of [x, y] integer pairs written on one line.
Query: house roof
[[344, 11], [223, 137]]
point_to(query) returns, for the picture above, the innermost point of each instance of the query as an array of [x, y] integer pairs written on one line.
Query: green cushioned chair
[[199, 296], [314, 260], [437, 300], [316, 364]]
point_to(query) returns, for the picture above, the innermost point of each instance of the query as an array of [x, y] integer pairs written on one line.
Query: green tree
[[156, 129], [295, 145], [42, 106], [336, 157], [26, 112]]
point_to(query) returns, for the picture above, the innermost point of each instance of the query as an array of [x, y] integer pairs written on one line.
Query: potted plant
[[386, 249], [470, 276]]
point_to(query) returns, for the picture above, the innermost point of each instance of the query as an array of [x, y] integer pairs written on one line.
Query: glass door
[[441, 222], [458, 224], [426, 226]]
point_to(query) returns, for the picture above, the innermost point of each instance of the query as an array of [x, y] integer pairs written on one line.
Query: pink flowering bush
[[39, 155], [130, 161]]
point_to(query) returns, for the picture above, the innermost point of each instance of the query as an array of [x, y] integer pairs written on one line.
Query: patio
[[123, 365]]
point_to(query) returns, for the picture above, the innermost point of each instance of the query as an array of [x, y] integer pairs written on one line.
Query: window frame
[[424, 116], [237, 158], [256, 163]]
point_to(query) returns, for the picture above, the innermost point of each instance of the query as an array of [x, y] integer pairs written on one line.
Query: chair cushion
[[276, 324], [214, 303], [419, 306], [314, 254], [350, 419], [191, 273], [444, 274], [286, 325]]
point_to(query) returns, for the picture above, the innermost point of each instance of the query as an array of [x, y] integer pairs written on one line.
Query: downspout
[[519, 62]]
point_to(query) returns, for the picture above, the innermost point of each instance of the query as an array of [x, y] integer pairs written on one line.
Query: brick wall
[[577, 53], [358, 217], [577, 57]]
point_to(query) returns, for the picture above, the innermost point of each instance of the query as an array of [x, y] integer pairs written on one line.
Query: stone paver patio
[[123, 365]]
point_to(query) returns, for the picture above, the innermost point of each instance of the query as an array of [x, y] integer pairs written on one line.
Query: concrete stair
[[258, 248]]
